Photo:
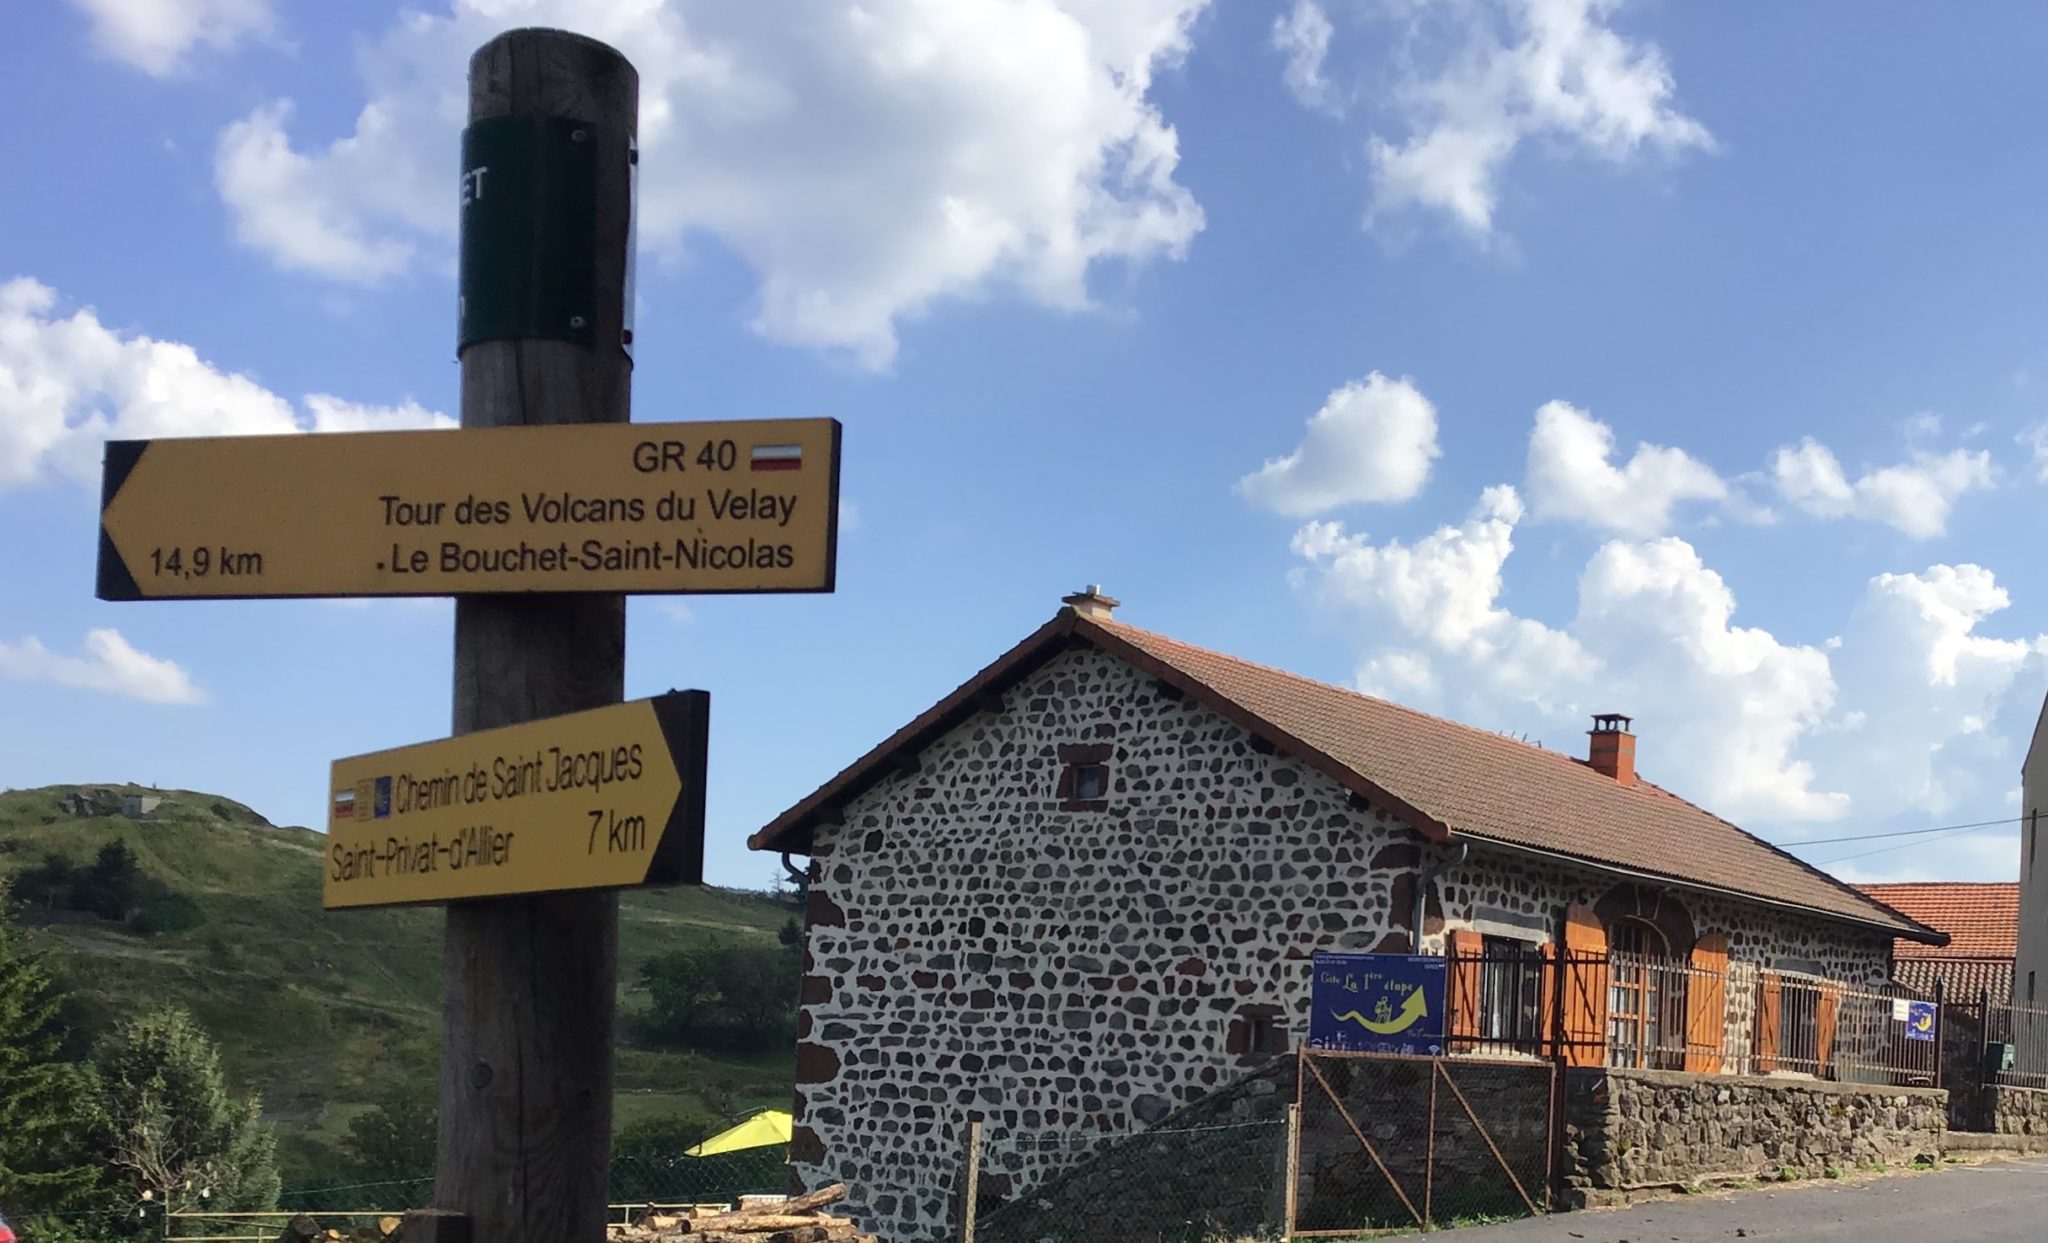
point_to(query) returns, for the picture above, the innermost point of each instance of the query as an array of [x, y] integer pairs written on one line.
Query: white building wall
[[2030, 967]]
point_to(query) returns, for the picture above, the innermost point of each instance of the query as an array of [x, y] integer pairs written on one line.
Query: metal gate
[[1385, 1141]]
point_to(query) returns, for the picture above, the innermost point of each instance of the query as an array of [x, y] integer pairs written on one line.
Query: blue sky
[[1517, 359]]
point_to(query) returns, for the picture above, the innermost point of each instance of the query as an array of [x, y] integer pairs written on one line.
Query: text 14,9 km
[[203, 560]]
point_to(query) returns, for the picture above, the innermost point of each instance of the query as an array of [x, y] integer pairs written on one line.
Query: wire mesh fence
[[1197, 1184], [638, 1185], [1386, 1142]]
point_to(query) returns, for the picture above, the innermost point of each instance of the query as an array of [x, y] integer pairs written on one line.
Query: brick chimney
[[1092, 603], [1613, 753]]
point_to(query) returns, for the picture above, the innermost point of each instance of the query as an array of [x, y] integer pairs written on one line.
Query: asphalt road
[[1996, 1202]]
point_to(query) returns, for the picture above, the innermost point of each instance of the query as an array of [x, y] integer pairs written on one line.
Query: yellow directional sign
[[617, 507], [606, 799]]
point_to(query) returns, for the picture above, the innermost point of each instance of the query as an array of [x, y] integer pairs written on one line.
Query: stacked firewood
[[303, 1229], [797, 1220]]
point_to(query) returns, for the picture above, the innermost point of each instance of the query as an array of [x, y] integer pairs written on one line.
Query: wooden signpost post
[[546, 505], [529, 983]]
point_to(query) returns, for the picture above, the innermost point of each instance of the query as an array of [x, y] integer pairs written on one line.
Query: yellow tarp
[[770, 1126]]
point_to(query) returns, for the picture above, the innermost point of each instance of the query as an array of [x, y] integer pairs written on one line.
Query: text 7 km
[[622, 834]]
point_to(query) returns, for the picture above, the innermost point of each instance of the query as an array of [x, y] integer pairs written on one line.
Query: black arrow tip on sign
[[685, 720], [115, 582]]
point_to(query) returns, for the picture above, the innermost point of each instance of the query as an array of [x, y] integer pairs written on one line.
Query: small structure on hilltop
[[89, 801], [140, 806]]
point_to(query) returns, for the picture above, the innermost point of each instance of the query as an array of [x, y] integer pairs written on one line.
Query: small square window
[[1266, 1035], [1084, 776], [1091, 781]]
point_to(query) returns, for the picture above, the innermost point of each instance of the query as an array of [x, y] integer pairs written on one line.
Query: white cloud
[[1572, 476], [2035, 438], [332, 414], [1914, 497], [1917, 712], [110, 664], [1444, 591], [304, 211], [1722, 706], [155, 35], [1732, 703], [1940, 706], [68, 382], [1509, 71], [1372, 441], [868, 160], [1302, 34]]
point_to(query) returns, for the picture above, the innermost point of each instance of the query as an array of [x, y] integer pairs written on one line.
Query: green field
[[317, 1010]]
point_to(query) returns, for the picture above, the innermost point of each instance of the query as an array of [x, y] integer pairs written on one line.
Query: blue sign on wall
[[1378, 1003], [1919, 1020]]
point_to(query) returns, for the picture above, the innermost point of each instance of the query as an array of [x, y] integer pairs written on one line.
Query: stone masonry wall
[[1071, 973], [2018, 1111], [1632, 1130]]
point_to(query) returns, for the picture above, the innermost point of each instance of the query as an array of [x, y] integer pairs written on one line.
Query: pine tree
[[168, 1125], [44, 1102]]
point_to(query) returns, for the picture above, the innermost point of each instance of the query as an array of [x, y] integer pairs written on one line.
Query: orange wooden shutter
[[1767, 1022], [1466, 949], [1706, 1004], [1826, 1009], [1585, 987]]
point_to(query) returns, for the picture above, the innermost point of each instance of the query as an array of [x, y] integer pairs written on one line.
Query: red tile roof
[[1981, 919], [1442, 778]]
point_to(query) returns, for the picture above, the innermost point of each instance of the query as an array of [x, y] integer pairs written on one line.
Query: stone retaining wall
[[2018, 1111], [1634, 1130]]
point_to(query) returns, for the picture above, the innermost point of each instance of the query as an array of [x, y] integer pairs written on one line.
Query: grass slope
[[316, 1009]]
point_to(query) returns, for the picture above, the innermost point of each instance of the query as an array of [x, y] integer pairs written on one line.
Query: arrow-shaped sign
[[612, 798], [1413, 1011], [749, 506]]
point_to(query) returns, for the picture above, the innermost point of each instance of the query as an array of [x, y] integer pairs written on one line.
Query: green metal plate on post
[[529, 215]]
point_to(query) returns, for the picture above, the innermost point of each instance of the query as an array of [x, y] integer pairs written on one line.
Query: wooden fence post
[[529, 982], [970, 1182], [1293, 1191]]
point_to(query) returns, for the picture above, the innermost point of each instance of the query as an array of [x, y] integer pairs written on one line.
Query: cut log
[[803, 1234], [813, 1200], [300, 1229], [388, 1226], [754, 1223]]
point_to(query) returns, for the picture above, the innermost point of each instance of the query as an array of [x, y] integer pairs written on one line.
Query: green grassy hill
[[314, 1008]]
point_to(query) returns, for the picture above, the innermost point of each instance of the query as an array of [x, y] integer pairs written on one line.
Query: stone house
[[1079, 894], [1982, 920]]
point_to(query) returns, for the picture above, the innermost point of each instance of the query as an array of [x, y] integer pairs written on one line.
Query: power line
[[1939, 828], [1861, 854]]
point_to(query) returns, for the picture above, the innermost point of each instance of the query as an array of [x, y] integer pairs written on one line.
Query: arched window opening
[[1646, 997]]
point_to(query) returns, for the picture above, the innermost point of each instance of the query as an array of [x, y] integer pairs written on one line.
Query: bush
[[722, 996]]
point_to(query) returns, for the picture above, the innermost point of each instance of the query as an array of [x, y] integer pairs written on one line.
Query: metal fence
[[2021, 1034], [1653, 1013], [637, 1186]]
